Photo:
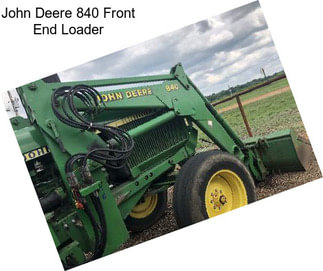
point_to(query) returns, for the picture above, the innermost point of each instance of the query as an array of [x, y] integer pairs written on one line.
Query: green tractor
[[102, 154]]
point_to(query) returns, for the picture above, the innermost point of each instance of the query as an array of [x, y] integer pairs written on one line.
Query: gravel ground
[[280, 182], [272, 185]]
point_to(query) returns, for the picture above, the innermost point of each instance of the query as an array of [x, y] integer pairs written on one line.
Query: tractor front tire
[[147, 212], [209, 184]]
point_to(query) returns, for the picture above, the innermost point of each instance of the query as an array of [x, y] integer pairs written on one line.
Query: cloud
[[214, 78], [227, 49]]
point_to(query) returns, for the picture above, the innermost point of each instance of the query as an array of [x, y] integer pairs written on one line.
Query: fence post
[[243, 114]]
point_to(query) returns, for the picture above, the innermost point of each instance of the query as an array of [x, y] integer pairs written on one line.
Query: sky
[[216, 53]]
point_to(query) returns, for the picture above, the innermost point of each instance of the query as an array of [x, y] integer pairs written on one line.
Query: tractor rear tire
[[209, 184], [147, 212]]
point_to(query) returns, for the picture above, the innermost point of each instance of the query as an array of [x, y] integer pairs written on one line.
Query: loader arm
[[173, 92]]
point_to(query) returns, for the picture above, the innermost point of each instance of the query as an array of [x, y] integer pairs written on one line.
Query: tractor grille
[[155, 141]]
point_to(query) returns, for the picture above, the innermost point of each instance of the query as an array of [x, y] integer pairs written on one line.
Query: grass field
[[265, 116], [276, 85]]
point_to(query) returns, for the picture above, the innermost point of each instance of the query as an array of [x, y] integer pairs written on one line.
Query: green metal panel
[[29, 139], [19, 122]]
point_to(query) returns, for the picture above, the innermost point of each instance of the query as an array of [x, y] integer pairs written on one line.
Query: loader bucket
[[282, 151]]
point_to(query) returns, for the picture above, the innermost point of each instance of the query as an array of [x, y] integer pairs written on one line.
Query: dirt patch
[[255, 99]]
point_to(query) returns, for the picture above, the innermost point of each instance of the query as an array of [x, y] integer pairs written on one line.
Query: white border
[[282, 232]]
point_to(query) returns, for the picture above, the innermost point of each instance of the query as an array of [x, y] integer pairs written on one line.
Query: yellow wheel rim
[[145, 207], [224, 192]]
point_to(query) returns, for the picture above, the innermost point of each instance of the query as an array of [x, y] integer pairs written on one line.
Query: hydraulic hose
[[50, 202], [102, 243], [63, 105], [100, 232], [112, 155]]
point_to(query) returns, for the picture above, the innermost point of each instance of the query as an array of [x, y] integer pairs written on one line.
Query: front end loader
[[102, 154]]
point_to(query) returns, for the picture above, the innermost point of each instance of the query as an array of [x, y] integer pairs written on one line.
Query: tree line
[[232, 90]]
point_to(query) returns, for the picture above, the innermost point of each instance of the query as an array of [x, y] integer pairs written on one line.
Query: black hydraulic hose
[[100, 238], [113, 156], [95, 229], [50, 202], [101, 246]]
